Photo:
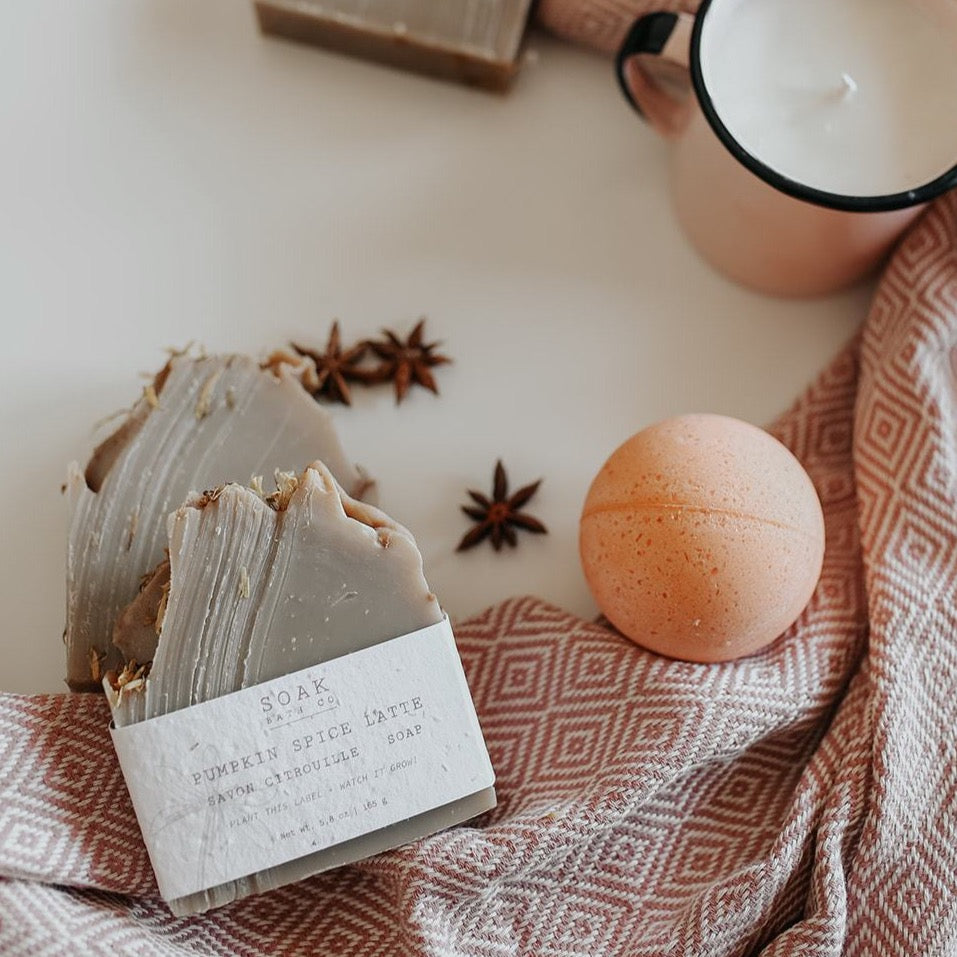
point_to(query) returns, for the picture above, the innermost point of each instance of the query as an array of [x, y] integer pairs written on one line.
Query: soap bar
[[202, 422], [262, 587], [473, 41]]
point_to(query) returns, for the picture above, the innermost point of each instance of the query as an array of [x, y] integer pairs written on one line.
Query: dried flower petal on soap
[[204, 403], [299, 366], [286, 485], [131, 674], [96, 664]]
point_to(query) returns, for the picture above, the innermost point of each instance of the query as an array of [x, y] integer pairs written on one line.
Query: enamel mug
[[806, 134]]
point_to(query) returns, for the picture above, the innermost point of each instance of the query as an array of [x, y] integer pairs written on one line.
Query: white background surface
[[167, 174]]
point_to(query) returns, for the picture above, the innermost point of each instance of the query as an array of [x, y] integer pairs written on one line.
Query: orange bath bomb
[[702, 538]]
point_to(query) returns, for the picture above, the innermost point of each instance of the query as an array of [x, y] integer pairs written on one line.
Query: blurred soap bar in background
[[477, 42]]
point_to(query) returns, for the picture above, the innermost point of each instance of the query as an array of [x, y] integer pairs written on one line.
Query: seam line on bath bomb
[[697, 509]]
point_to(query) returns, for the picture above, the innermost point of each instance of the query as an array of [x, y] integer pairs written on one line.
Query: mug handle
[[652, 68]]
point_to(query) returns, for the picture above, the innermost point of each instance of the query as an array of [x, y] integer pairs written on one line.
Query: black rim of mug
[[864, 204]]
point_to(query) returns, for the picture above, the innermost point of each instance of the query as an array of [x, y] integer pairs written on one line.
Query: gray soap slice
[[260, 588], [202, 422]]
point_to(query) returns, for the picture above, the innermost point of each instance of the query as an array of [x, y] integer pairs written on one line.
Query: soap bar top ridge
[[261, 587]]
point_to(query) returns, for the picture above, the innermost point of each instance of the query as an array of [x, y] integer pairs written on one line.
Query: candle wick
[[850, 87]]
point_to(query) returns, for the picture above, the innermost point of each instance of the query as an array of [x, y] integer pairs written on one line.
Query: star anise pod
[[335, 366], [498, 517], [406, 363]]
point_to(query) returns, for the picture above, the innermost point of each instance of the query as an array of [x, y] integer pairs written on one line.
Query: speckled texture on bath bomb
[[702, 538]]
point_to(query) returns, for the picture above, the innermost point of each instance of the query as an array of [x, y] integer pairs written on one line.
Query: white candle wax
[[856, 97]]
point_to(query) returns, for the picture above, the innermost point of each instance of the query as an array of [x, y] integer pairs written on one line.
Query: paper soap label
[[274, 772]]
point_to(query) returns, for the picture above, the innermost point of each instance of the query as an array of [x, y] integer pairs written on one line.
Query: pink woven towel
[[802, 801]]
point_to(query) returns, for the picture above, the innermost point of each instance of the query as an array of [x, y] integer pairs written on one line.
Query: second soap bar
[[473, 41]]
